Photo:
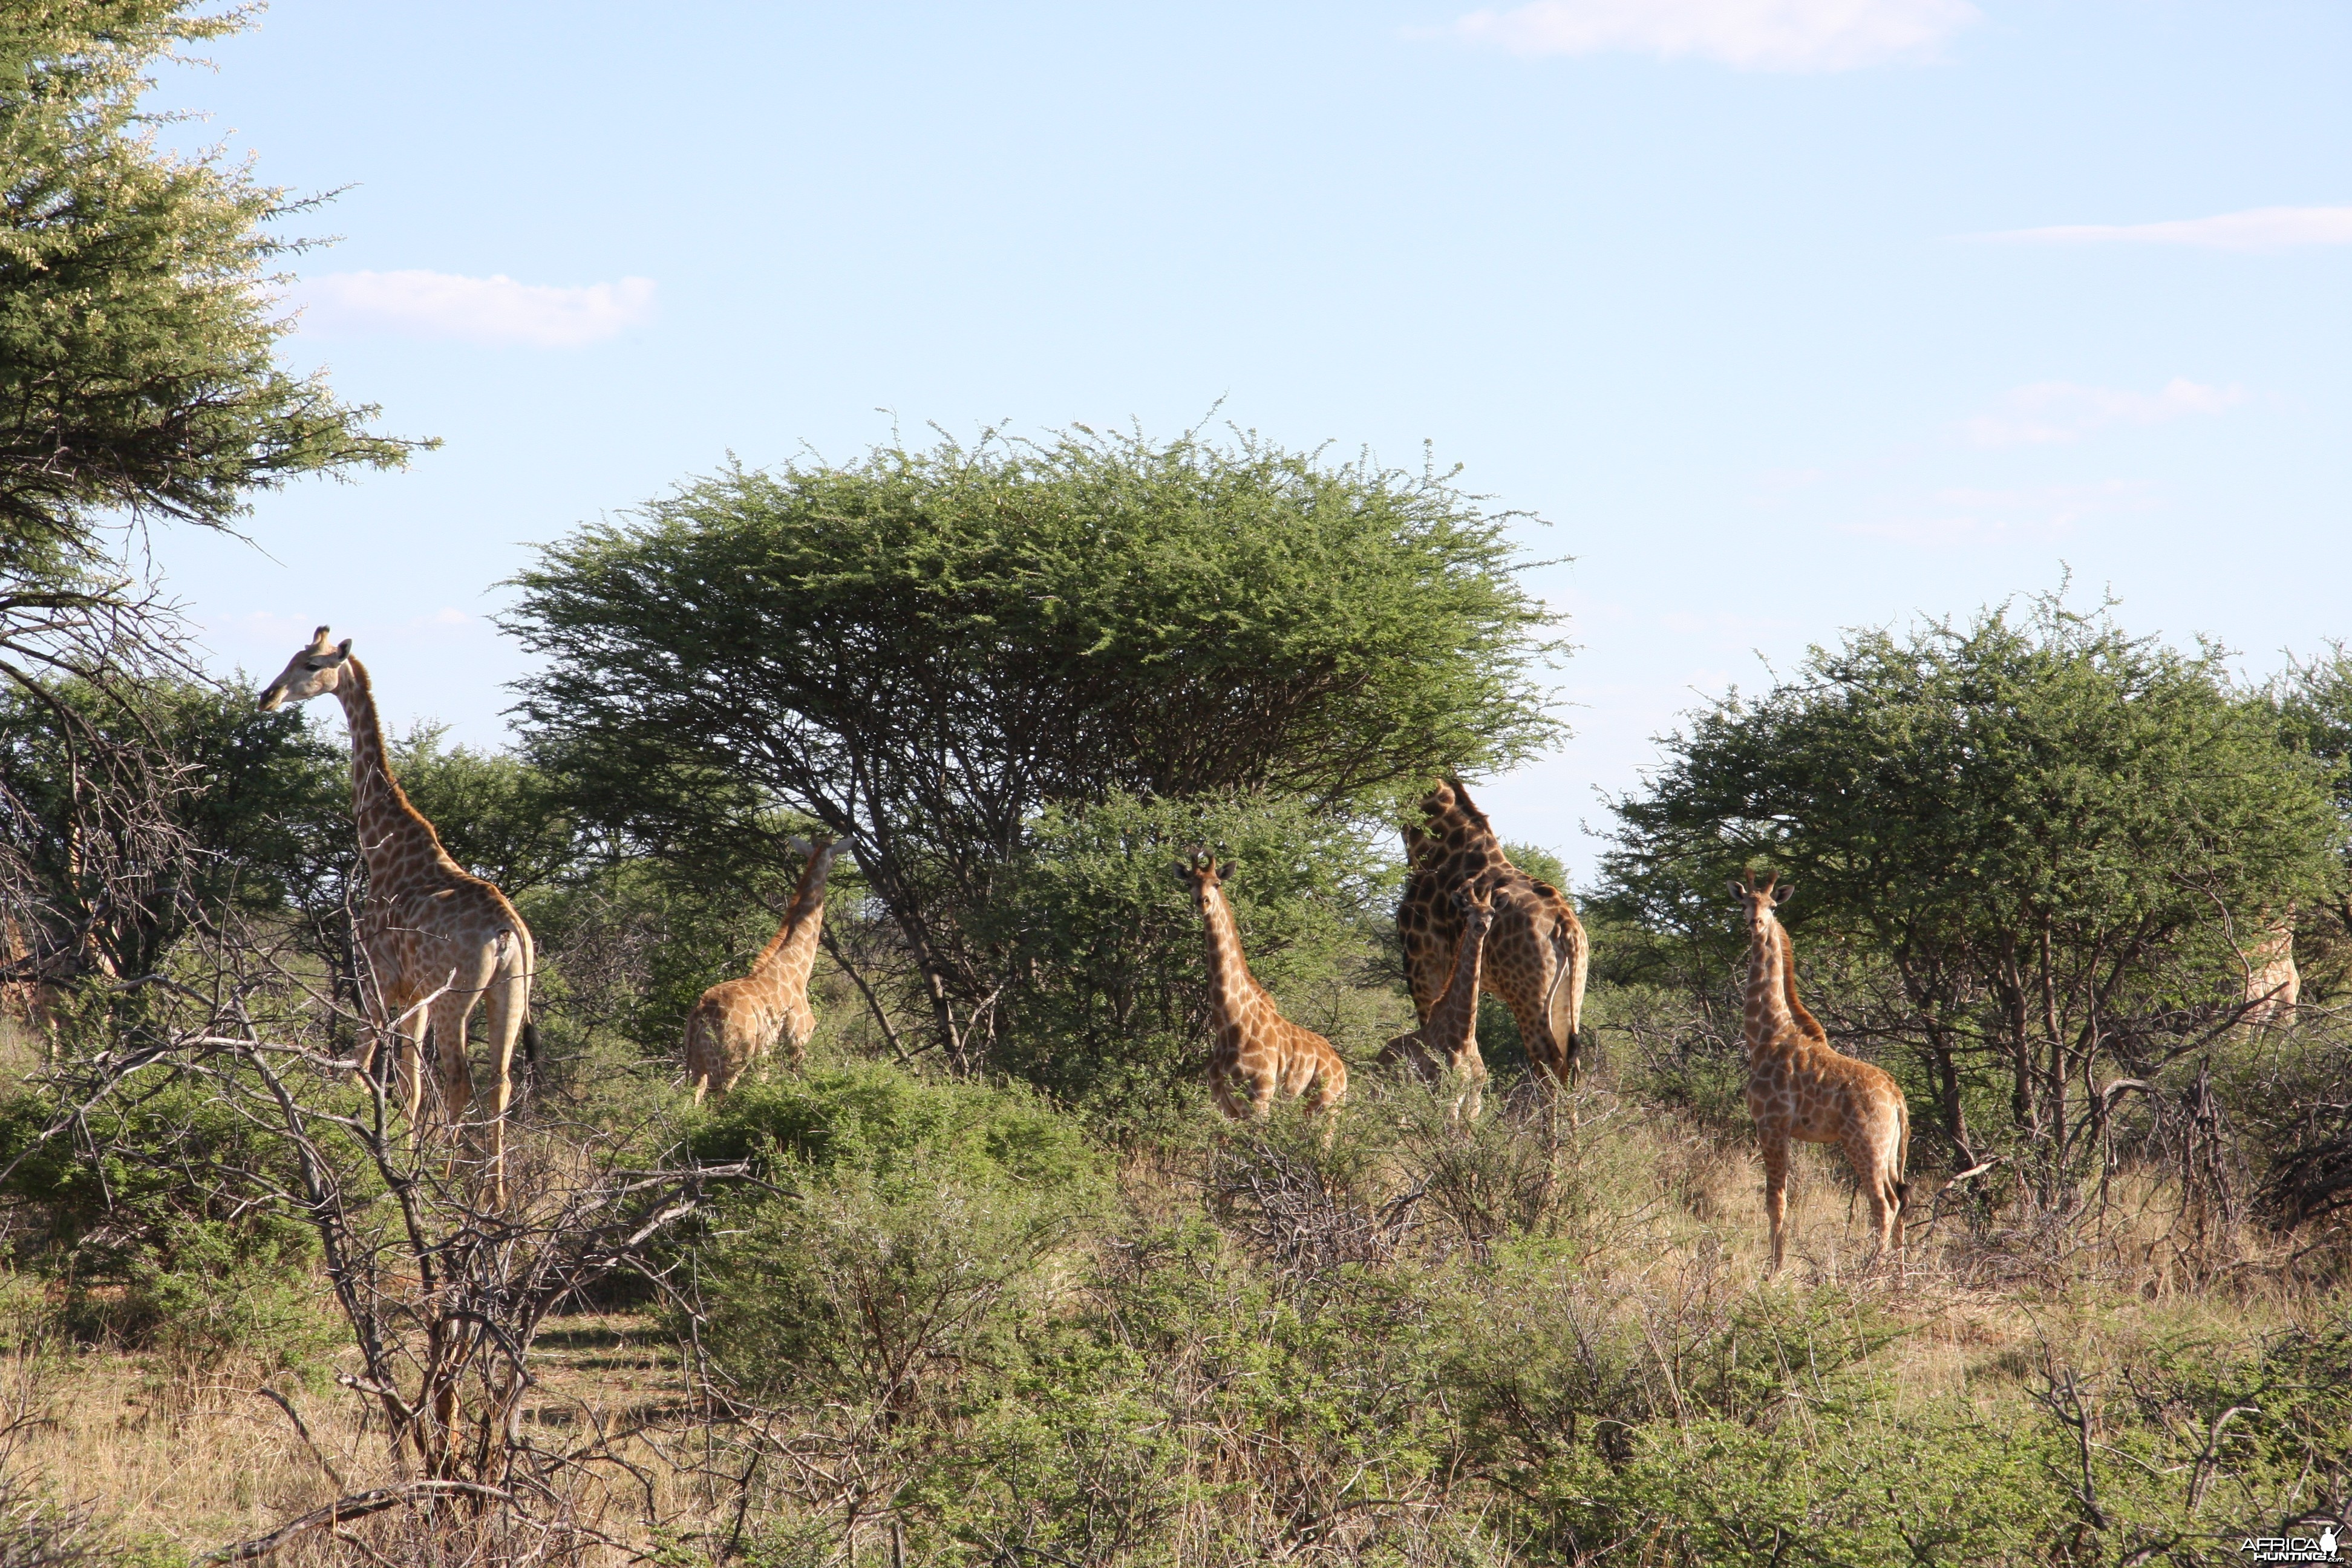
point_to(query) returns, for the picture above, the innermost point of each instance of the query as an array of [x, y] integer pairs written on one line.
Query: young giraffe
[[738, 1020], [1536, 952], [1255, 1044], [1449, 1039], [437, 938], [1800, 1088]]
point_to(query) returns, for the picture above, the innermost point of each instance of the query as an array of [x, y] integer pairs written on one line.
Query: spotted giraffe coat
[[1801, 1089], [1256, 1048], [1536, 955]]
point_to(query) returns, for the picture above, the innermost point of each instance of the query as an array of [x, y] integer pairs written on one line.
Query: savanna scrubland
[[988, 1281]]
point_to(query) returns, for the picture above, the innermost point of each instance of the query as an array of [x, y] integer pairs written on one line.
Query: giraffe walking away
[[737, 1021], [1448, 1039], [437, 938], [1800, 1089], [1536, 953], [1255, 1045]]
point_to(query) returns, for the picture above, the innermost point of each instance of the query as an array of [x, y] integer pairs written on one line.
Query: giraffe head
[[316, 668], [1757, 903], [1476, 902], [1198, 870]]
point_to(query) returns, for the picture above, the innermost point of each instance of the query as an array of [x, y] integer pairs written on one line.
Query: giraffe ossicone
[[1255, 1047], [737, 1021], [1801, 1089], [435, 938]]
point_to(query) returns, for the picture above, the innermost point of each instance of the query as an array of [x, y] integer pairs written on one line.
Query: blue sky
[[1787, 315]]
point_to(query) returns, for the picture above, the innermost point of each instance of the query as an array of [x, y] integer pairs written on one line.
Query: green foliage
[[149, 1216], [915, 1220], [135, 331], [1107, 1009], [925, 650], [260, 807], [498, 815], [2027, 825]]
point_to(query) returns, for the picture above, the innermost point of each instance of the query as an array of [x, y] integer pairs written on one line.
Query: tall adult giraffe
[[1801, 1088], [1254, 1044], [738, 1020], [1536, 952], [437, 938], [1448, 1041]]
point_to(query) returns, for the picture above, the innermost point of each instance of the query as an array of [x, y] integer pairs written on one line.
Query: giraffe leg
[[507, 1003], [1862, 1154], [450, 1015], [1221, 1087], [1775, 1149], [407, 1027]]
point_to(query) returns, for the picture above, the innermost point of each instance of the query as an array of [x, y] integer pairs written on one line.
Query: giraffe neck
[[1458, 1008], [791, 953], [1231, 986], [394, 835], [1768, 1018]]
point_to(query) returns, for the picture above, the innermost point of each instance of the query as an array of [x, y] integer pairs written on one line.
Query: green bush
[[156, 1243], [1108, 1011], [913, 1222]]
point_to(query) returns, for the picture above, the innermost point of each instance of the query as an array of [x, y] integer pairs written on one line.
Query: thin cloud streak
[[1964, 516], [2050, 412], [1748, 35], [2259, 230], [494, 309]]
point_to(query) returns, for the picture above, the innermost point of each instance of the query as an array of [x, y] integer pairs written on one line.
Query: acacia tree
[[921, 650], [137, 381], [2053, 833], [136, 369]]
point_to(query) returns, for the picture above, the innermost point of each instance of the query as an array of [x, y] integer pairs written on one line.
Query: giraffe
[[1536, 952], [2274, 984], [1255, 1042], [1800, 1088], [738, 1020], [435, 937], [1449, 1039]]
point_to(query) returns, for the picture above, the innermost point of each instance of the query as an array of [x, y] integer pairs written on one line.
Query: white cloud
[[2261, 228], [1751, 34], [2054, 411], [495, 310], [1967, 516]]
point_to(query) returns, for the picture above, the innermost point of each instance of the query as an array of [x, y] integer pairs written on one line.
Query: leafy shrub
[[155, 1238], [1110, 1009], [914, 1219]]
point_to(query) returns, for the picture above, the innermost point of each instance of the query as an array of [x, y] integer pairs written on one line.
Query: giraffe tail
[[1902, 1155], [530, 1040]]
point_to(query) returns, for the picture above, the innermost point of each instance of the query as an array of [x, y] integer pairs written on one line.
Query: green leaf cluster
[[136, 324]]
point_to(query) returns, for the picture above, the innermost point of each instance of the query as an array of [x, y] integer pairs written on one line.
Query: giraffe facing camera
[[1802, 1089], [1255, 1047]]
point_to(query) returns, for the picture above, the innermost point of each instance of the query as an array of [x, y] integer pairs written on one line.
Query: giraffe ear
[[1780, 894], [1736, 890]]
